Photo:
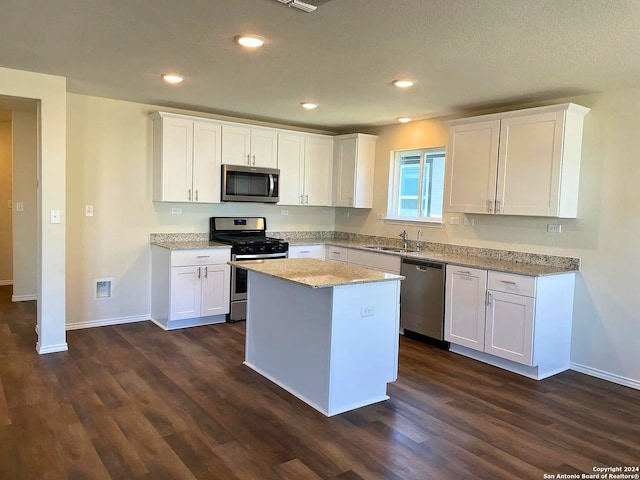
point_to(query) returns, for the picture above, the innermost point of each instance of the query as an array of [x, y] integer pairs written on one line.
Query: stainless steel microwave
[[250, 184]]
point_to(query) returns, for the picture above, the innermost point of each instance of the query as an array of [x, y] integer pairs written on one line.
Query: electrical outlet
[[88, 210], [345, 214], [176, 211], [380, 216], [284, 212], [554, 228], [454, 220], [366, 311], [469, 221], [54, 216]]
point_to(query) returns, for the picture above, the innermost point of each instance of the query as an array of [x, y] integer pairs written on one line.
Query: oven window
[[247, 184], [241, 281]]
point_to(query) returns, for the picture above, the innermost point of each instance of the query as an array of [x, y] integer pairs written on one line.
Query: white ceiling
[[465, 54]]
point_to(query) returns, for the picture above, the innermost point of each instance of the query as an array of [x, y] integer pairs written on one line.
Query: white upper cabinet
[[254, 146], [305, 162], [525, 162], [354, 160], [186, 153]]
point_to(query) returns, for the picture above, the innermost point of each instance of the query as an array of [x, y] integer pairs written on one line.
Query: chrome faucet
[[403, 234], [418, 240]]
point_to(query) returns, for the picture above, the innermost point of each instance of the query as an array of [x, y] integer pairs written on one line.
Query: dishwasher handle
[[422, 265]]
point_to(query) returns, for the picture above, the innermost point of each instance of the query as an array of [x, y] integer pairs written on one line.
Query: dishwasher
[[422, 297]]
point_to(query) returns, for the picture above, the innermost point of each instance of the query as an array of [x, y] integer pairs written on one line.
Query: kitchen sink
[[389, 249]]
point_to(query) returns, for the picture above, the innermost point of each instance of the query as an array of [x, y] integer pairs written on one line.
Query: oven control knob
[[262, 248]]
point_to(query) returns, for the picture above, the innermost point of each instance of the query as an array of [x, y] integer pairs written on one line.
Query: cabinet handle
[[196, 195], [488, 298], [189, 194], [489, 206], [206, 272], [301, 199], [199, 274], [203, 256], [254, 159], [497, 206], [464, 272], [508, 282], [306, 199], [248, 159], [305, 251]]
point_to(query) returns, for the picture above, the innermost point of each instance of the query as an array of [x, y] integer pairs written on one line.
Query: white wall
[[109, 166], [50, 92], [25, 191], [6, 174], [606, 327]]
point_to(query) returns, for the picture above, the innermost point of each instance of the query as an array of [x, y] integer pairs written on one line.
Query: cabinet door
[[365, 164], [206, 162], [529, 164], [264, 148], [471, 167], [318, 169], [509, 326], [464, 309], [291, 151], [216, 285], [345, 171], [236, 145], [185, 292], [177, 157]]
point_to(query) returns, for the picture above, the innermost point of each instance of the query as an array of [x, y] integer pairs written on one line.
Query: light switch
[[88, 210], [55, 216], [19, 206]]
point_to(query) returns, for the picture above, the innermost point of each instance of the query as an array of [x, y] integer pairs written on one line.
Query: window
[[416, 184]]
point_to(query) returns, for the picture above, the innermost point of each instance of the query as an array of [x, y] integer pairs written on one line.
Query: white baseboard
[[61, 347], [594, 372], [23, 298], [107, 321], [6, 282]]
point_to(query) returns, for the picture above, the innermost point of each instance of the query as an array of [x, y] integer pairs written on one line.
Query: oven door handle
[[259, 256], [272, 185]]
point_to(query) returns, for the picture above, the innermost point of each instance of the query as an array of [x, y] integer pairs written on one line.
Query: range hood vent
[[304, 5]]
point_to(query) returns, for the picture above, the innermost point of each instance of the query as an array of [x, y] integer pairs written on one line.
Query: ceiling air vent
[[306, 5]]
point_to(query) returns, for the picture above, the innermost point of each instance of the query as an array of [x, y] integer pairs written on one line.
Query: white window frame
[[394, 185]]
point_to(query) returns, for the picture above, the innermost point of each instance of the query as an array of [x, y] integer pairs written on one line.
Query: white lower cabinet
[[190, 287], [307, 251], [336, 254], [516, 322]]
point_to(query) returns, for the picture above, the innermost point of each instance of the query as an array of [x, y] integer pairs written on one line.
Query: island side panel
[[364, 346], [288, 336]]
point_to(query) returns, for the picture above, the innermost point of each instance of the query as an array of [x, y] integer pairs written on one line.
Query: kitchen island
[[325, 332]]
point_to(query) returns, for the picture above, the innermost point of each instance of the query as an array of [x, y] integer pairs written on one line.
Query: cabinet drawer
[[512, 283], [377, 261], [307, 251], [200, 257], [337, 254]]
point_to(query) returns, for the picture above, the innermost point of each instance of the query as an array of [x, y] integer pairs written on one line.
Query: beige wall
[[25, 191], [109, 166], [49, 91], [6, 230], [606, 325]]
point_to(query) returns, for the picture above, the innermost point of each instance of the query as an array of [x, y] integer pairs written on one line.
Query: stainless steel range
[[248, 240]]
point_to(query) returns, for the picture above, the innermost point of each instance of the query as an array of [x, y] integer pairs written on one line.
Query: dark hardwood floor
[[135, 402]]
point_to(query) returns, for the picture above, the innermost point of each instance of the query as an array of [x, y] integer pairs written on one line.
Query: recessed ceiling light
[[172, 78], [309, 105], [403, 83], [404, 119], [251, 41]]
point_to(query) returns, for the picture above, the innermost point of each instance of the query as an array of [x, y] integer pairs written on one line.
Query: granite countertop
[[190, 245], [496, 264], [316, 273]]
